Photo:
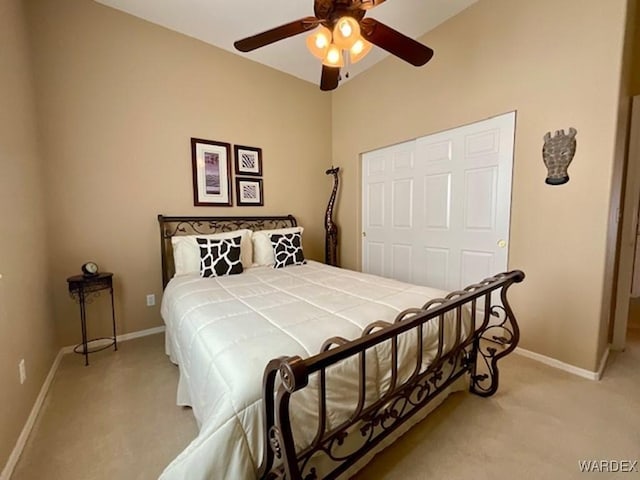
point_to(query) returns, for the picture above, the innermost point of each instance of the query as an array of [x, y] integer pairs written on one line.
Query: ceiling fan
[[343, 33]]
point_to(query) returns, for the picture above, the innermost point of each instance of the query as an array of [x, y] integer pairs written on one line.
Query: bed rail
[[493, 334]]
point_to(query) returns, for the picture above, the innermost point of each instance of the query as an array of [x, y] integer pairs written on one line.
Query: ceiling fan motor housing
[[329, 11]]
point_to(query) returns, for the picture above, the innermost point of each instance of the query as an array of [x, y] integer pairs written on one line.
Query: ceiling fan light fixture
[[335, 37], [334, 57], [359, 50], [319, 41], [346, 32]]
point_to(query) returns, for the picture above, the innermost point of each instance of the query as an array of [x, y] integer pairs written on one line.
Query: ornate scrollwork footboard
[[480, 332]]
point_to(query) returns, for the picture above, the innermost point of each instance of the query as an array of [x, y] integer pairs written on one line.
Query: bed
[[307, 371]]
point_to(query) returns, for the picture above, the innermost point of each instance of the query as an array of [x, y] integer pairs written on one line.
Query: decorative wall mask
[[557, 153]]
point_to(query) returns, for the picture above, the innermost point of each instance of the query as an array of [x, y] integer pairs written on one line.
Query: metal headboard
[[172, 226]]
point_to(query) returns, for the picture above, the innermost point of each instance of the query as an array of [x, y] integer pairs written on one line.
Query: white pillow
[[186, 252], [262, 248]]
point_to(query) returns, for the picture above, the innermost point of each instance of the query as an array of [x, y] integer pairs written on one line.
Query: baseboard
[[140, 333], [31, 420], [603, 361], [552, 362], [121, 338]]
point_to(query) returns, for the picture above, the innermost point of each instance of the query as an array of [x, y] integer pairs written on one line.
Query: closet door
[[388, 216], [436, 210]]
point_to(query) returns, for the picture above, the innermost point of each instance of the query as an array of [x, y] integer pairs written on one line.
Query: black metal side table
[[80, 288]]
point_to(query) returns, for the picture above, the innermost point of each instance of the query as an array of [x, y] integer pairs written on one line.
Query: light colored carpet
[[539, 425], [117, 419]]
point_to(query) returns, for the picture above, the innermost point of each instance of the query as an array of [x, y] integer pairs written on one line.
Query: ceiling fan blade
[[329, 80], [395, 42], [279, 33]]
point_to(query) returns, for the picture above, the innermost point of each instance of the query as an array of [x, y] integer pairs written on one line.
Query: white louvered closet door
[[436, 209]]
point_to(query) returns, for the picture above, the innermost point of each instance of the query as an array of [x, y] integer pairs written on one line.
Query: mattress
[[223, 331]]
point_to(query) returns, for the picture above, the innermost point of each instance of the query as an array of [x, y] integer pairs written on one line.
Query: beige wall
[[119, 99], [26, 324], [635, 69], [499, 56]]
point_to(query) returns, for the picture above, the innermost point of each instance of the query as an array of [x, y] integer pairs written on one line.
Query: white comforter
[[223, 331]]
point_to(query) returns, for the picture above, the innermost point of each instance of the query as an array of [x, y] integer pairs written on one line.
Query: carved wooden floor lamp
[[331, 229]]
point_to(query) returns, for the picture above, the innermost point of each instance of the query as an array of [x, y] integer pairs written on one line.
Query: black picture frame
[[211, 159], [249, 192], [248, 160]]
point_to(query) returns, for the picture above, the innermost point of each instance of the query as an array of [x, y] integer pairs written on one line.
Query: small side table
[[80, 288]]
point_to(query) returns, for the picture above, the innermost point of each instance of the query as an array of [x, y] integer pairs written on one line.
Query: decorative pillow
[[287, 250], [219, 257], [186, 252], [262, 248]]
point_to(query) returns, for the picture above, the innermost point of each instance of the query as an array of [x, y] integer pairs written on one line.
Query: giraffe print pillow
[[287, 249], [219, 257]]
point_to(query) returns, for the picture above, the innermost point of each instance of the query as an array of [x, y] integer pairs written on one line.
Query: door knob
[[364, 234], [502, 243]]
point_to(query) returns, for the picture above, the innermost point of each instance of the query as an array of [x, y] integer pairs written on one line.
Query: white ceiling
[[221, 22]]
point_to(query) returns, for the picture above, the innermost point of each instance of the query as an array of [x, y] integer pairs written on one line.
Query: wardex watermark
[[608, 466]]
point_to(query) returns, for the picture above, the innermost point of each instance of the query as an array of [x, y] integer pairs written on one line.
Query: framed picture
[[211, 165], [248, 160], [249, 192]]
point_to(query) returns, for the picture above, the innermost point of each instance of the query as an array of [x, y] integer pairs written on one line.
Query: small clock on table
[[90, 269]]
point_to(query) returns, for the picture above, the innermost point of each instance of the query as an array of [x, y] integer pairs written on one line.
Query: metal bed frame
[[494, 333]]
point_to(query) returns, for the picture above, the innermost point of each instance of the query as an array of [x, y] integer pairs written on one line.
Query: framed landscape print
[[249, 192], [211, 167], [248, 160]]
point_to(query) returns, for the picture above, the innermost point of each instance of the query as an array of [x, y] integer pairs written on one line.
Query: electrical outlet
[[151, 300], [23, 371]]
